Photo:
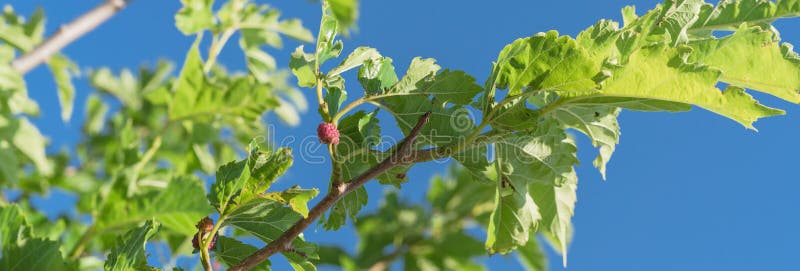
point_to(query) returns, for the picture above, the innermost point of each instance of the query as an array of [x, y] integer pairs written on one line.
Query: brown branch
[[67, 34], [337, 191]]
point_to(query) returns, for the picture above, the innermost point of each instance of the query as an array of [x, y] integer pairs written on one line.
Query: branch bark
[[67, 34], [402, 155]]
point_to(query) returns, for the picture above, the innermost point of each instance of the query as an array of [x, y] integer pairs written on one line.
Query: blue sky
[[689, 191]]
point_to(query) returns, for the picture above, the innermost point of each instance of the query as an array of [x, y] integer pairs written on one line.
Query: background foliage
[[129, 163]]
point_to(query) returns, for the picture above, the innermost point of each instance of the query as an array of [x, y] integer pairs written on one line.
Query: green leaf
[[473, 158], [228, 184], [629, 15], [178, 214], [29, 141], [599, 123], [204, 156], [175, 211], [677, 16], [729, 15], [9, 163], [11, 79], [231, 252], [531, 256], [195, 16], [327, 45], [348, 206], [455, 87], [376, 75], [259, 63], [658, 74], [752, 58], [267, 220], [259, 25], [545, 158], [128, 251], [418, 70], [190, 82], [545, 61], [23, 36], [294, 29], [409, 98], [514, 216], [34, 254], [15, 227], [63, 69], [514, 115], [335, 95], [124, 87], [345, 11], [295, 197], [462, 193], [355, 59], [638, 104], [357, 132], [556, 205], [95, 114], [303, 67], [299, 263], [265, 168], [239, 99], [447, 124]]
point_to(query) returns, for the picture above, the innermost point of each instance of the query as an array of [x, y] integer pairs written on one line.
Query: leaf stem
[[348, 108], [219, 43], [81, 244], [216, 48], [323, 106], [205, 240], [137, 168]]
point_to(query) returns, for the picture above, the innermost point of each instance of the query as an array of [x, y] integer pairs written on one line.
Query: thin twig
[[384, 262], [336, 192], [67, 34]]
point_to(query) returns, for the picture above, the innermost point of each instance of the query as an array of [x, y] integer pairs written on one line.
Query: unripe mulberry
[[196, 242], [327, 133], [205, 225]]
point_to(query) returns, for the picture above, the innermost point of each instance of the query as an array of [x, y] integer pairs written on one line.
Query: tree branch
[[67, 34], [337, 191]]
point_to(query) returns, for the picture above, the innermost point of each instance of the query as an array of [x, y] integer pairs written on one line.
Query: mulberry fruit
[[327, 133]]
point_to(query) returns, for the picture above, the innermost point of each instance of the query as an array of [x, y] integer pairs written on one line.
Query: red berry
[[327, 133], [196, 242]]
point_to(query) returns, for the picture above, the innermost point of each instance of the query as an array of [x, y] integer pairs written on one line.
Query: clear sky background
[[689, 191]]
